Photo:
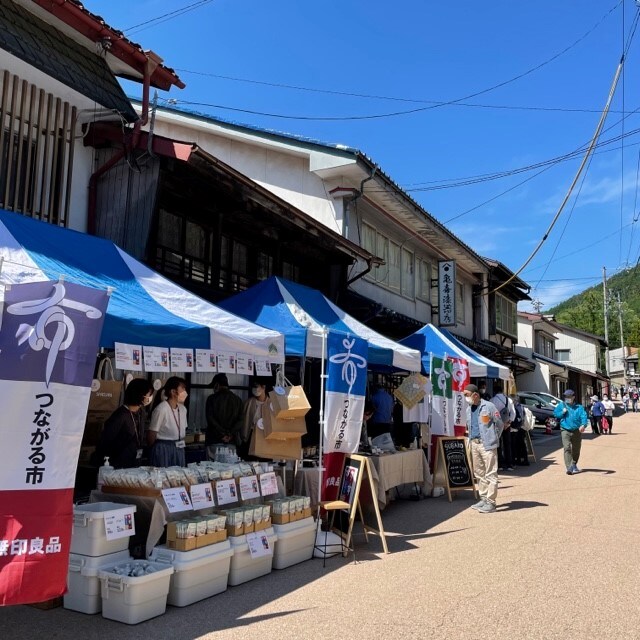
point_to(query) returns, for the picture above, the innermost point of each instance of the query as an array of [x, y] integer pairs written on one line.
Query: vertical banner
[[48, 344], [446, 293], [460, 379], [344, 404], [442, 408]]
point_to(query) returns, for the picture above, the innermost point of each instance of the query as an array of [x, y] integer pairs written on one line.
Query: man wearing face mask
[[573, 421], [253, 414], [485, 426], [223, 411]]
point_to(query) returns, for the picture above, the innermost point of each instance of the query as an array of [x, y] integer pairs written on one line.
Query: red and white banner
[[460, 380], [48, 343]]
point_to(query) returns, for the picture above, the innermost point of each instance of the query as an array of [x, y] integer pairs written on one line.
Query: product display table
[[389, 471], [152, 515], [403, 467]]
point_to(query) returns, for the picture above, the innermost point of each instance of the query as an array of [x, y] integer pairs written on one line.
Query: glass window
[[195, 244], [563, 355], [424, 281], [459, 302], [408, 274], [506, 315], [394, 266], [264, 266], [382, 251], [170, 230], [369, 238]]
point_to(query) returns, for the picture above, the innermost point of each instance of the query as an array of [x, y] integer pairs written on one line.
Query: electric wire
[[152, 22], [622, 145], [636, 214]]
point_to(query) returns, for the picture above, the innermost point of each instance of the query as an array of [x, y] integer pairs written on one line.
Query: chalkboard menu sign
[[453, 466]]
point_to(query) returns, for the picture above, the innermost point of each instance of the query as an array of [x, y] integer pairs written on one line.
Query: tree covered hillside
[[586, 310]]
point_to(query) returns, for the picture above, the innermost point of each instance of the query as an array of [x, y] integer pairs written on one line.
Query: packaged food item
[[257, 513], [192, 528], [266, 512]]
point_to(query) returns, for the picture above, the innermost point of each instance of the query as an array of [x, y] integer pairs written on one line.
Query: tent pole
[[323, 378]]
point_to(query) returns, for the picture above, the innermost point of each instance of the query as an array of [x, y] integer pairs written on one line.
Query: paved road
[[558, 559]]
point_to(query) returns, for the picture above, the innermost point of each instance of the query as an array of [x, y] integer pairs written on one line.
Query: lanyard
[[135, 426], [176, 420]]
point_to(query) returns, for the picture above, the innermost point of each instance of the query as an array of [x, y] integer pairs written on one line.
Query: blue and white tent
[[431, 340], [300, 312], [145, 308]]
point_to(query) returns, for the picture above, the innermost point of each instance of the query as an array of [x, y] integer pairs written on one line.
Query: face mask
[[569, 401], [469, 399], [182, 396], [146, 401], [257, 391]]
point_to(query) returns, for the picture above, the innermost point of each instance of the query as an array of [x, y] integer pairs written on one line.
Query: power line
[[165, 17], [417, 109]]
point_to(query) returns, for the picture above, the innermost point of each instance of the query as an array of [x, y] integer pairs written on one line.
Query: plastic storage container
[[295, 542], [199, 574], [134, 599], [243, 566], [89, 537], [84, 587]]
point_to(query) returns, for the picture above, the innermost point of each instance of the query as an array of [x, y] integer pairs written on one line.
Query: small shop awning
[[300, 312], [434, 341], [145, 308], [555, 368]]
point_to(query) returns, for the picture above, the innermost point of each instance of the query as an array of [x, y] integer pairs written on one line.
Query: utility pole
[[606, 320], [624, 353]]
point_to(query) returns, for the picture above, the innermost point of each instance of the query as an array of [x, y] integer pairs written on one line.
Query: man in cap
[[485, 426], [573, 421]]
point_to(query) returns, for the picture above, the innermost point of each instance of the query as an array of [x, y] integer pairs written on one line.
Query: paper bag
[[281, 428], [289, 402], [105, 398], [290, 449]]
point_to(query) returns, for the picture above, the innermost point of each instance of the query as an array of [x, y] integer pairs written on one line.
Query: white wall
[[583, 352]]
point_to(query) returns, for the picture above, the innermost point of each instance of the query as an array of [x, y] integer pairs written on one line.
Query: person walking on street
[[634, 399], [485, 426], [595, 414], [573, 421], [609, 408]]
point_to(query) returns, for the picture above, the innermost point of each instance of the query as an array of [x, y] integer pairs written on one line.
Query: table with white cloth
[[388, 471], [400, 468]]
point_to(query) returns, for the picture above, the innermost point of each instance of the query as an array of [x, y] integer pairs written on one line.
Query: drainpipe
[[126, 148]]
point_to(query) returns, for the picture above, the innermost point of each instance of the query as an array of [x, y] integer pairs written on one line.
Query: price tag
[[249, 487], [119, 524], [202, 496], [268, 484], [177, 499], [226, 491], [259, 546]]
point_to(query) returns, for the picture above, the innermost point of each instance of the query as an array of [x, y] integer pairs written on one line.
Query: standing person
[[609, 408], [504, 405], [573, 421], [518, 434], [595, 414], [168, 426], [122, 437], [485, 426], [224, 413], [634, 399], [253, 414], [482, 390], [382, 421], [625, 401]]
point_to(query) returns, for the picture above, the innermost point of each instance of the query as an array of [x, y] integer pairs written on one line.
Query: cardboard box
[[277, 428], [306, 512], [262, 525], [291, 402], [182, 544], [199, 437], [189, 438], [235, 530], [280, 518], [210, 538], [250, 528]]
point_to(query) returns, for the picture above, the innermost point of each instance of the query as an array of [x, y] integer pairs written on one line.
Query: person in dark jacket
[[224, 412], [595, 414], [122, 437]]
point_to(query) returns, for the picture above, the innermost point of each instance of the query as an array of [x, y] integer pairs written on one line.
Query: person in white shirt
[[507, 410], [609, 408], [168, 425]]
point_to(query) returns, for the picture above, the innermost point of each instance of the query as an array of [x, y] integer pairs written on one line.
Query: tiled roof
[[39, 44]]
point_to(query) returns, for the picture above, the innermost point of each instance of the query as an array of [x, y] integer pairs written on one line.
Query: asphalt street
[[558, 559]]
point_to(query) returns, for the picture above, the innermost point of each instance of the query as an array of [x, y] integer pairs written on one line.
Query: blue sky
[[418, 51]]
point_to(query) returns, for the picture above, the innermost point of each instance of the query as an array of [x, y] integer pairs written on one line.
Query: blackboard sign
[[357, 490], [453, 466]]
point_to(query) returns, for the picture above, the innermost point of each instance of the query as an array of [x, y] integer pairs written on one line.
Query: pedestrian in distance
[[596, 412], [609, 408], [625, 401], [634, 399], [485, 426], [573, 421]]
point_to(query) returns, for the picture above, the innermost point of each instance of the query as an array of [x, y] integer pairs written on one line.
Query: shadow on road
[[514, 505], [604, 472]]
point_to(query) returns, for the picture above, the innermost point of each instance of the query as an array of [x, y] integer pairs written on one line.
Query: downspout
[[126, 148], [353, 201]]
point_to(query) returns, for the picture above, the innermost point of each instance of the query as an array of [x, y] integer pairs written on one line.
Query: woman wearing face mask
[[122, 436], [253, 414], [168, 426]]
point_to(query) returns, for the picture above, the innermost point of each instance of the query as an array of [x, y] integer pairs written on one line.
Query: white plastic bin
[[84, 587], [243, 566], [89, 537], [134, 599], [295, 542], [199, 574]]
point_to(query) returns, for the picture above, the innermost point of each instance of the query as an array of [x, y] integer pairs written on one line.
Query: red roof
[[74, 14]]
